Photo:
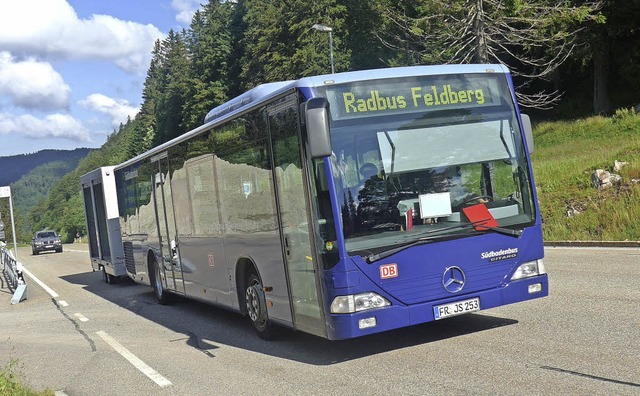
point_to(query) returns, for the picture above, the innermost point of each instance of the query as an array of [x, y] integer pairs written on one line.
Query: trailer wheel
[[156, 280], [257, 308], [108, 278]]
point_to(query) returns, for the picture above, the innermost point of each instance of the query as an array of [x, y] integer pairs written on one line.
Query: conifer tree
[[615, 64], [144, 126], [532, 37], [173, 74], [363, 22], [209, 40], [280, 43]]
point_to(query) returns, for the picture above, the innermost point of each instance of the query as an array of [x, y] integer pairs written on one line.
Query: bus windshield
[[410, 154]]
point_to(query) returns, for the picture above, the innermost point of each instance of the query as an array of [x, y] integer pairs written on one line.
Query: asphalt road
[[99, 339]]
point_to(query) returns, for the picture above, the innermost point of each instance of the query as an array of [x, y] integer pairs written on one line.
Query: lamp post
[[323, 28]]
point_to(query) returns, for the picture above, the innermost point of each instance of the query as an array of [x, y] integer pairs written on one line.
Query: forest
[[569, 59]]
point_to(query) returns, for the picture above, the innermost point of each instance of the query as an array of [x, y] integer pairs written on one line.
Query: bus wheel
[[257, 308], [156, 280]]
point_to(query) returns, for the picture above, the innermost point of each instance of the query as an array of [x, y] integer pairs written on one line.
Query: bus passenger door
[[293, 212], [166, 224]]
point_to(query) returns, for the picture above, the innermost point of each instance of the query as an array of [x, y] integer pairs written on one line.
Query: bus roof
[[394, 72], [266, 91]]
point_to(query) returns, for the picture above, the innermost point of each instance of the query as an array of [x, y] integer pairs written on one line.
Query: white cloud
[[51, 29], [185, 9], [51, 126], [32, 84], [118, 110]]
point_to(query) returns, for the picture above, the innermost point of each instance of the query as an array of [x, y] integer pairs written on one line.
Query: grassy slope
[[566, 154], [11, 384]]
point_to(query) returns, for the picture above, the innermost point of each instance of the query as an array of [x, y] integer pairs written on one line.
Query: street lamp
[[323, 28]]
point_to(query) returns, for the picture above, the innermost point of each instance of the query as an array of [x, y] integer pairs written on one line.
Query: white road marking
[[135, 361], [39, 282], [81, 317], [124, 352]]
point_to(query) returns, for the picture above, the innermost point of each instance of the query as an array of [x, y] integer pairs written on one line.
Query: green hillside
[[566, 155], [16, 166], [33, 188], [31, 180]]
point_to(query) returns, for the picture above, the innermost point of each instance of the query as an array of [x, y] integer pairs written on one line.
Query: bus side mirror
[[528, 131], [316, 112]]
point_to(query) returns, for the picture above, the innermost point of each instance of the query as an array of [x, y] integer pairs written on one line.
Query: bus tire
[[156, 281], [257, 308]]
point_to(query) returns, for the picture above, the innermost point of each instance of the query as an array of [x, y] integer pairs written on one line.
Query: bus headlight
[[358, 302], [529, 269]]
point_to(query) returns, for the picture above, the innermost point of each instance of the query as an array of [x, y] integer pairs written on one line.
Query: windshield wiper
[[429, 236], [503, 231]]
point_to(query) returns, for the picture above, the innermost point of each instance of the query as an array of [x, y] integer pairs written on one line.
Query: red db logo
[[388, 271]]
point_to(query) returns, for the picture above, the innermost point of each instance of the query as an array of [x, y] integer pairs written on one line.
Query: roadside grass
[[566, 155], [11, 384]]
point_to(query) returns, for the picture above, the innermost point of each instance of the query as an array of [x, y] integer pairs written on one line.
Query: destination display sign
[[415, 94]]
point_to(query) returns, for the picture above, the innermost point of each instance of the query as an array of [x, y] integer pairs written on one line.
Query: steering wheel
[[467, 201]]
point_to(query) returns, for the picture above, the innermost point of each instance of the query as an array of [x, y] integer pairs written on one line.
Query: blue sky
[[72, 70]]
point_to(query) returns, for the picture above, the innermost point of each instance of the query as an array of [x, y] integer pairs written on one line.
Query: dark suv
[[46, 240]]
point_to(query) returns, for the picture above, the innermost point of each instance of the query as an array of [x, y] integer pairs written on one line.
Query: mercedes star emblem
[[453, 279]]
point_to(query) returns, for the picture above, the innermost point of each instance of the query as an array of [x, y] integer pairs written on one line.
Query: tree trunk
[[482, 54], [601, 103]]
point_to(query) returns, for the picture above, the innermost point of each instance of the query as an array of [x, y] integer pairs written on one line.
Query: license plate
[[49, 246], [456, 308]]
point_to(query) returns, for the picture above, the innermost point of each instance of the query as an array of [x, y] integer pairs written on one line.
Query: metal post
[[331, 50], [326, 29], [13, 230], [5, 192]]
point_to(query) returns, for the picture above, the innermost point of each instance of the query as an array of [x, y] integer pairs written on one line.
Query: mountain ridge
[[13, 167]]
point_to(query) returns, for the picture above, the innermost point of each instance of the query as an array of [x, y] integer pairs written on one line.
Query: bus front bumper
[[343, 326]]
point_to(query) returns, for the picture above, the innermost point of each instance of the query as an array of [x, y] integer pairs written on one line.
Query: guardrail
[[13, 271]]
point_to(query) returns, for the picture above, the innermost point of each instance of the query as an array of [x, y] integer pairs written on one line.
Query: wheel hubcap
[[253, 303]]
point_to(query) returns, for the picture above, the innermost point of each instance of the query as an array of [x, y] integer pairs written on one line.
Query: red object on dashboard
[[480, 214]]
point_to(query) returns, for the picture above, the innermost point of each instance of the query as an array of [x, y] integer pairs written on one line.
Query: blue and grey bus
[[343, 205]]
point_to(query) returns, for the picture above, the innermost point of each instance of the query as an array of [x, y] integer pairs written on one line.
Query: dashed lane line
[[81, 317]]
